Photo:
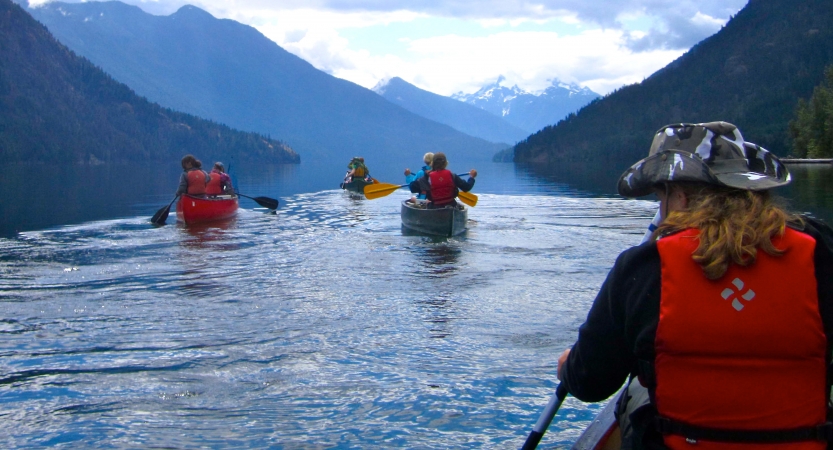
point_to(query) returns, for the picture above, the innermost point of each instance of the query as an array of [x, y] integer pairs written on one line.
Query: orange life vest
[[196, 181], [215, 184], [745, 352], [443, 190]]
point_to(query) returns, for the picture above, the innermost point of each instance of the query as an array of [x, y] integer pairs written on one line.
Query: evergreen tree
[[812, 128]]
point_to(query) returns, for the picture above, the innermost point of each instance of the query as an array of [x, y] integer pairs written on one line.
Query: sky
[[451, 46]]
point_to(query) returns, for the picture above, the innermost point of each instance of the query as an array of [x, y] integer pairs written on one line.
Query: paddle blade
[[266, 202], [161, 216], [379, 190], [467, 198]]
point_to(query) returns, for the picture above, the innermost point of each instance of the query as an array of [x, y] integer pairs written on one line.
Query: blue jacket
[[415, 176]]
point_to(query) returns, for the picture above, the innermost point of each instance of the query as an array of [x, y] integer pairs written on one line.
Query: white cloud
[[598, 59]]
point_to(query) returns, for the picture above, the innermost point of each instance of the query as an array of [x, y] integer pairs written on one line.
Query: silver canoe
[[602, 433], [448, 221]]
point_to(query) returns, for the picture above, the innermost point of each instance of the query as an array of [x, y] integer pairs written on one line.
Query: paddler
[[219, 182], [410, 177], [440, 186], [356, 169], [725, 318], [193, 180]]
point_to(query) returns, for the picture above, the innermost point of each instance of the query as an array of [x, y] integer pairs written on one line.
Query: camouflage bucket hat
[[713, 153]]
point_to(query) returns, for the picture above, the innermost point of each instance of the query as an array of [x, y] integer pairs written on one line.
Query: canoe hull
[[356, 186], [196, 209], [603, 433], [448, 221]]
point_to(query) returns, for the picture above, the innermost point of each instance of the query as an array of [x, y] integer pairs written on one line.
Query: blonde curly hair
[[733, 225]]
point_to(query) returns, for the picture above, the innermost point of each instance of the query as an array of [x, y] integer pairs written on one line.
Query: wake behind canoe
[[355, 186]]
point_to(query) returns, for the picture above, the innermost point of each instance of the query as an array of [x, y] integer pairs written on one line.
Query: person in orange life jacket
[[193, 180], [725, 317], [428, 158], [220, 182], [440, 186]]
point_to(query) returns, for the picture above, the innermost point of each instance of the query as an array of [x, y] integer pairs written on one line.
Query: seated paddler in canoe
[[722, 323], [193, 180], [219, 182], [439, 186], [410, 177], [357, 177]]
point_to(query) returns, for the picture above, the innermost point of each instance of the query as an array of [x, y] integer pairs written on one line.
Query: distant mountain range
[[467, 118], [230, 73], [751, 73], [56, 107], [528, 111]]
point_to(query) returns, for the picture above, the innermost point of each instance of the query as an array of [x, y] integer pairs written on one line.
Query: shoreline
[[806, 161]]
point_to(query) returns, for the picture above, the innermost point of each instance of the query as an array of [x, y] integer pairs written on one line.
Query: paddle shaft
[[265, 202], [546, 418]]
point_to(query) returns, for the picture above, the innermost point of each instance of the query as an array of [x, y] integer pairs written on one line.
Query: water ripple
[[323, 326]]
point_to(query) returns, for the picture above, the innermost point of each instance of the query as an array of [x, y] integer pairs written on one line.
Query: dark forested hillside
[[58, 107], [751, 73]]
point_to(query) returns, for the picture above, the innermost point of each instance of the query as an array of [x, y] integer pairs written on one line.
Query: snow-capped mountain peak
[[530, 111], [381, 86]]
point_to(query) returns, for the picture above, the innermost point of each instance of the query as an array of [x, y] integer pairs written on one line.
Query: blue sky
[[460, 45]]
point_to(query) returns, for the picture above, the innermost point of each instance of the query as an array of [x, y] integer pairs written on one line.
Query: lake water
[[324, 326]]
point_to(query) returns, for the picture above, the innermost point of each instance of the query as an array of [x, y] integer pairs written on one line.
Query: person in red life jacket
[[220, 182], [440, 186], [193, 180], [723, 322]]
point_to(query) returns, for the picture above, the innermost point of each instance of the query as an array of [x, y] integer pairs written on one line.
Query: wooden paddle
[[467, 198], [379, 190], [162, 215]]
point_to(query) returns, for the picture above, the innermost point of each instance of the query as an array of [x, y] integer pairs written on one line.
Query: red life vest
[[745, 352], [443, 190], [196, 181], [215, 184]]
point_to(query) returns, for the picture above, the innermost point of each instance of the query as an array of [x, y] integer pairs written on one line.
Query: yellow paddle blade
[[467, 198], [379, 190]]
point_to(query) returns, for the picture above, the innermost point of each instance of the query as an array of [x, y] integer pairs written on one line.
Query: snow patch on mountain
[[381, 86], [529, 110]]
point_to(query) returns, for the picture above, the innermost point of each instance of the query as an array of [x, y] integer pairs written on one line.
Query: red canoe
[[196, 209]]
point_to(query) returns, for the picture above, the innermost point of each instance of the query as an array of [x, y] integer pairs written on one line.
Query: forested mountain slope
[[751, 73], [57, 107]]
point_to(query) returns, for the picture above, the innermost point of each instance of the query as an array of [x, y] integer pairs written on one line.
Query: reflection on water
[[440, 259], [811, 190], [570, 178], [84, 193]]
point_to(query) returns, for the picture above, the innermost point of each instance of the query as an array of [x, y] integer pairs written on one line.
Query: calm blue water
[[324, 326]]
